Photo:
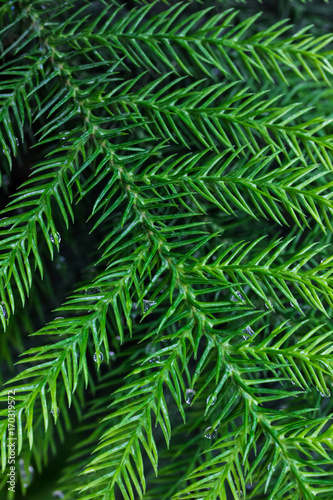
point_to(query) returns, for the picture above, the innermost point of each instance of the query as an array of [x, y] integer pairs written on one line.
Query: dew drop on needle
[[23, 473], [55, 239], [210, 433], [4, 310], [237, 297], [147, 304], [211, 400], [32, 472], [248, 330], [98, 358], [93, 290], [189, 396], [155, 359], [58, 494]]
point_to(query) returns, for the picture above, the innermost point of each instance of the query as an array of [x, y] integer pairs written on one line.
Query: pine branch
[[274, 192], [68, 357], [195, 116], [16, 82], [146, 133], [229, 267], [209, 42]]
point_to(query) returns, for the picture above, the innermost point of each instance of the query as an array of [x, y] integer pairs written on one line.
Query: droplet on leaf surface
[[92, 290], [55, 239], [98, 358], [147, 304], [58, 494], [4, 310], [211, 400], [189, 396], [210, 433]]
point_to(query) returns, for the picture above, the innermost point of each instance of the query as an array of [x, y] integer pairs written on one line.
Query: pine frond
[[285, 472], [208, 41], [230, 182], [266, 275], [205, 116], [167, 172]]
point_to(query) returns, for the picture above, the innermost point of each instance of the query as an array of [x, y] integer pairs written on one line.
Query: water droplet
[[57, 411], [93, 290], [17, 141], [59, 317], [248, 330], [322, 260], [58, 494], [237, 297], [211, 400], [55, 238], [98, 358], [215, 71], [189, 396], [210, 433], [23, 473], [155, 359], [32, 472], [4, 310], [147, 304], [112, 354]]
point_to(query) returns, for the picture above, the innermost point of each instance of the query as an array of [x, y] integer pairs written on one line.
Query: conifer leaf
[[166, 168]]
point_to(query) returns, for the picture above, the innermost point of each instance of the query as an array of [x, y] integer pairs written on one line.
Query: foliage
[[165, 240]]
